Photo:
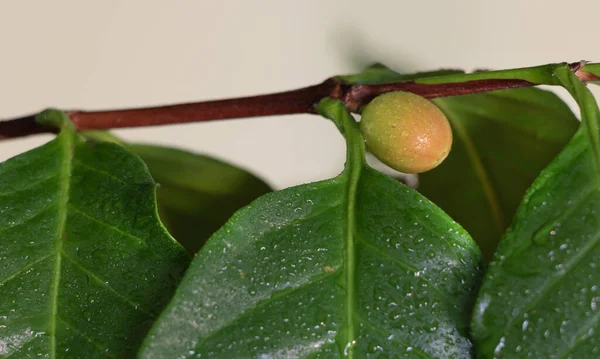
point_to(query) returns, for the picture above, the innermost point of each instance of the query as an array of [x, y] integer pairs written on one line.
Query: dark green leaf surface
[[85, 265], [502, 141], [540, 296], [356, 266], [197, 194]]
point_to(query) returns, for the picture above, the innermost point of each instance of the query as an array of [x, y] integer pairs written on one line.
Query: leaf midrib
[[481, 173], [350, 253], [354, 168], [63, 200]]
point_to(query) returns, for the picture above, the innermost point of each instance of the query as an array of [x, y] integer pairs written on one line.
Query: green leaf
[[86, 265], [380, 74], [539, 298], [354, 266], [537, 74], [502, 141], [197, 194], [593, 69]]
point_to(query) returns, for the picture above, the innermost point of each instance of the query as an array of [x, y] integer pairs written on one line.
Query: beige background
[[114, 54]]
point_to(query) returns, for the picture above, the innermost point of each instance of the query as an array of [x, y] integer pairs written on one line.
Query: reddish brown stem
[[282, 103], [23, 126]]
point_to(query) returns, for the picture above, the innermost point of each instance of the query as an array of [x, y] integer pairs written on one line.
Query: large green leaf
[[197, 194], [355, 266], [85, 265], [502, 141], [540, 296]]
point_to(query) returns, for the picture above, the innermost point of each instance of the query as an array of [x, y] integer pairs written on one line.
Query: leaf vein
[[24, 269], [275, 296], [90, 340], [425, 225], [554, 280], [578, 337], [117, 229], [28, 218], [19, 250], [417, 351], [482, 175], [403, 265], [65, 183], [99, 171], [106, 285], [28, 187]]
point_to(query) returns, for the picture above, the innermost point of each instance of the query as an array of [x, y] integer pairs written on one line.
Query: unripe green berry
[[406, 132]]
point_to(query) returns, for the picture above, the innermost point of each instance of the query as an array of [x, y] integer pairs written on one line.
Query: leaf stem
[[297, 101], [355, 162], [65, 182]]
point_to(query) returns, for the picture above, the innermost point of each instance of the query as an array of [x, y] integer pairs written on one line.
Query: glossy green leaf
[[85, 265], [197, 194], [355, 266], [541, 293], [502, 141]]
